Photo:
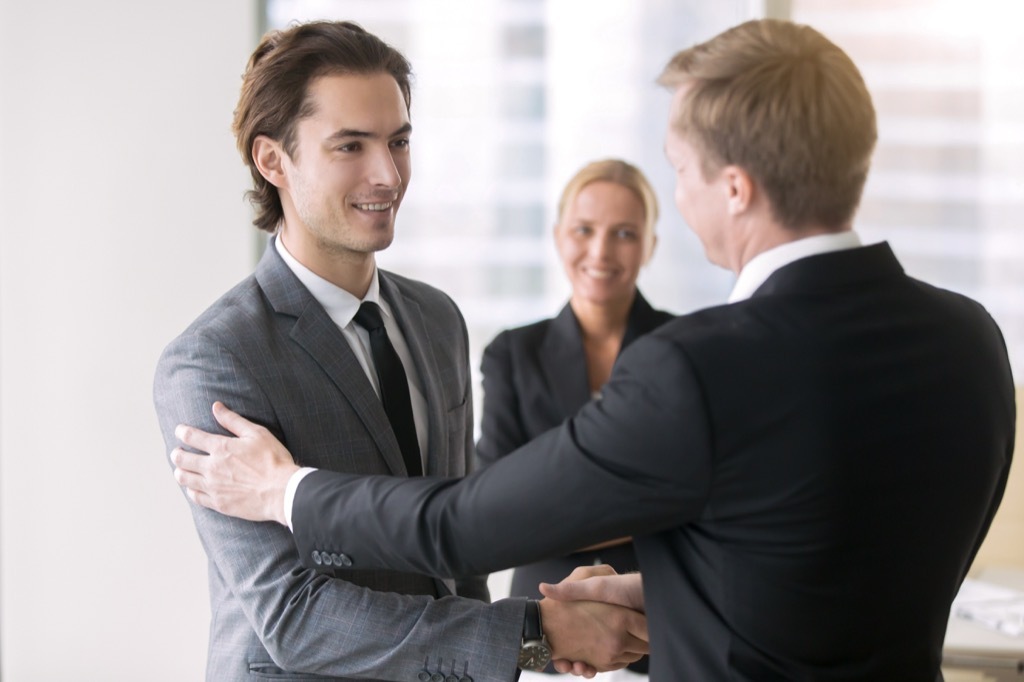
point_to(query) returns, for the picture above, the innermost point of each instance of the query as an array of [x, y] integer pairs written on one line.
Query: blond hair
[[621, 173], [788, 106]]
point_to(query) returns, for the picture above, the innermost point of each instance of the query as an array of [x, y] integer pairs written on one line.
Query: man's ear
[[268, 156], [739, 187]]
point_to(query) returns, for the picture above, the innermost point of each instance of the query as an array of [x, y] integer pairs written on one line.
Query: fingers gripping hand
[[577, 668], [588, 571], [599, 583], [588, 637], [243, 476]]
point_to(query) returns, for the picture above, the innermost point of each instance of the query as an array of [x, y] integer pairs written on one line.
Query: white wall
[[121, 218]]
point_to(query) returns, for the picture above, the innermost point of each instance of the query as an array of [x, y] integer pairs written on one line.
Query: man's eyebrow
[[404, 130], [347, 133]]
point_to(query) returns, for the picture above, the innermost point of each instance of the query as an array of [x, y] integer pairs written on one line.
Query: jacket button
[[345, 560], [326, 558], [316, 558]]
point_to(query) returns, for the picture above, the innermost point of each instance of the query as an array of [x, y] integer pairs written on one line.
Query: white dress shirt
[[342, 307], [761, 266]]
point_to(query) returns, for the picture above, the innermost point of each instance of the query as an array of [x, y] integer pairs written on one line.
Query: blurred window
[[511, 97]]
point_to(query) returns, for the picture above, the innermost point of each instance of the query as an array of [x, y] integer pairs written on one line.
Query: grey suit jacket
[[268, 350]]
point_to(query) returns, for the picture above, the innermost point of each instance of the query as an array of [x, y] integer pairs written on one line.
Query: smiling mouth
[[384, 206], [597, 273]]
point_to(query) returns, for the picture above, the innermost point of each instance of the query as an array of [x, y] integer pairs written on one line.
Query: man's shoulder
[[411, 287], [233, 317], [432, 300], [704, 325]]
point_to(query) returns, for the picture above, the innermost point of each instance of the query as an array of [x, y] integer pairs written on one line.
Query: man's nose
[[384, 171]]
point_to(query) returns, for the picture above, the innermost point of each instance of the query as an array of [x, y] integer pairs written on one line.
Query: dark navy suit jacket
[[807, 475]]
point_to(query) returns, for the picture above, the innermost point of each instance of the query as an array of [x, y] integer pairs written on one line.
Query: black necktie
[[394, 387]]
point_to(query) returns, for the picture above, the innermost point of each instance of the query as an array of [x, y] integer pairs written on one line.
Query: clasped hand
[[594, 620]]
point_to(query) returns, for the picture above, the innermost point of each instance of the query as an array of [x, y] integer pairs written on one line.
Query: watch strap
[[532, 628]]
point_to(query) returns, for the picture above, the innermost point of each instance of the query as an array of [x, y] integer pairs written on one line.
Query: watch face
[[534, 655]]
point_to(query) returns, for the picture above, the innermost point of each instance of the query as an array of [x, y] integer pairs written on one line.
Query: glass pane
[[947, 185]]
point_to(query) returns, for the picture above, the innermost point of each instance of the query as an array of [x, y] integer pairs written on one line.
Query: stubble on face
[[325, 219]]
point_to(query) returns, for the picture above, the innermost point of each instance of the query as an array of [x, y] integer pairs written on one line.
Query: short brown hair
[[788, 106], [275, 89], [621, 173]]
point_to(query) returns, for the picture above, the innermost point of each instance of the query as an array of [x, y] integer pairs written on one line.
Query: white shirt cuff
[[289, 492]]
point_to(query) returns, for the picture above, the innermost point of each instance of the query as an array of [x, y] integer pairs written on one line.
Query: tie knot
[[369, 317]]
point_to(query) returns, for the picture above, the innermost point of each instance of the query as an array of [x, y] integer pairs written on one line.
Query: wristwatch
[[534, 654]]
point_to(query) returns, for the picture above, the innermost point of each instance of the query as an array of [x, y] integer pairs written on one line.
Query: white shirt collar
[[761, 266], [340, 305]]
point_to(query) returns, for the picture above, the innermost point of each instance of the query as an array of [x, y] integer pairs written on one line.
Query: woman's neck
[[602, 328]]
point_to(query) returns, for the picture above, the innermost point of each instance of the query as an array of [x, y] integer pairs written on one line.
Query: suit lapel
[[642, 319], [317, 334], [563, 362], [410, 319]]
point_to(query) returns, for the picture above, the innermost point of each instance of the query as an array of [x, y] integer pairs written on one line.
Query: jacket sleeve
[[309, 622], [501, 424], [641, 455]]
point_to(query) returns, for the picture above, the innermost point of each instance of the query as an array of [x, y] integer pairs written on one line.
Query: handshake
[[594, 620]]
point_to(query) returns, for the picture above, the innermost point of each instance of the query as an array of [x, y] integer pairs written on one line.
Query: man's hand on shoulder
[[245, 476]]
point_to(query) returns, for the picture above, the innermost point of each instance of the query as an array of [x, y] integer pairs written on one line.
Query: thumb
[[636, 625], [578, 590], [232, 421]]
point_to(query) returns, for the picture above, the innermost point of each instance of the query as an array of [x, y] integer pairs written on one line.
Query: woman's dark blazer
[[534, 377]]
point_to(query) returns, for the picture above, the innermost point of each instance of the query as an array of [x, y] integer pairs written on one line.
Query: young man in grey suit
[[807, 472], [323, 124]]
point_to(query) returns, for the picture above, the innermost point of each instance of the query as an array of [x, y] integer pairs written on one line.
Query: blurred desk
[[973, 647]]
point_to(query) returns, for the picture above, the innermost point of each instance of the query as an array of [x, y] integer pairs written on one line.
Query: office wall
[[121, 217]]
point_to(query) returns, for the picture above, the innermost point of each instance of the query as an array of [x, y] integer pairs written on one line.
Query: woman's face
[[601, 242]]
